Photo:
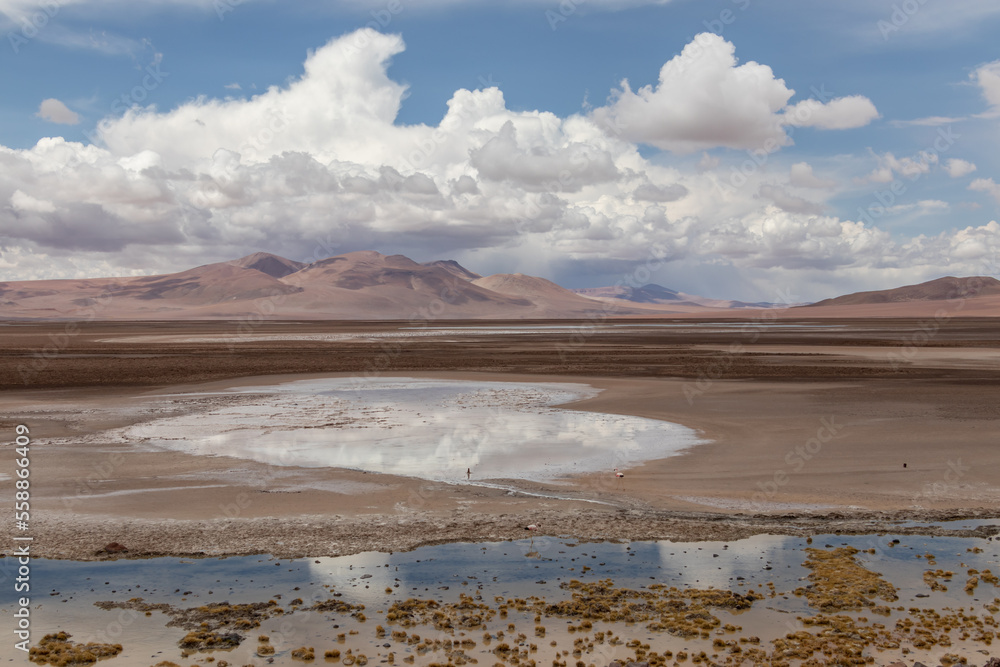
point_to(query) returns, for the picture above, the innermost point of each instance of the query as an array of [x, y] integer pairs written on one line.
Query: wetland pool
[[657, 595]]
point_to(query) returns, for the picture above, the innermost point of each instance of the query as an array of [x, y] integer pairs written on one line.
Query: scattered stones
[[111, 548]]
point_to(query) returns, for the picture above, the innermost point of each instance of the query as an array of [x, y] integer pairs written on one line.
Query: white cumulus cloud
[[705, 99], [912, 167], [24, 202], [987, 185], [842, 113], [958, 168], [987, 77], [801, 175], [55, 111]]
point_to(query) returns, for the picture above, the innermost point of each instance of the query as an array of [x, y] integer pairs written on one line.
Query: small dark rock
[[114, 548]]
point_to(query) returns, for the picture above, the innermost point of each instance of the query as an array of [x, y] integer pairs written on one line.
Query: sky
[[764, 150]]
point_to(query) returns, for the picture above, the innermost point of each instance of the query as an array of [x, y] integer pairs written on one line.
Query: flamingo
[[533, 527], [621, 476]]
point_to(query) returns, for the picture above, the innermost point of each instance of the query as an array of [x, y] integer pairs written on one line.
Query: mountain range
[[367, 285]]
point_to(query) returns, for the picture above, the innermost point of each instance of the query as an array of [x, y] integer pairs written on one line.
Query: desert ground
[[808, 426]]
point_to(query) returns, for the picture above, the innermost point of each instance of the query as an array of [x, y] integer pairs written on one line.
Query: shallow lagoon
[[433, 429], [65, 592]]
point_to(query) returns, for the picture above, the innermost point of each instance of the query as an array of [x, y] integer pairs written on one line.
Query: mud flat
[[802, 427]]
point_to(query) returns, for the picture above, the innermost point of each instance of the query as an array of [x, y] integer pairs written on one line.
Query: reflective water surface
[[63, 595], [433, 429]]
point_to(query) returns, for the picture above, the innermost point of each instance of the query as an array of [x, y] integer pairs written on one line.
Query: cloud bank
[[320, 166]]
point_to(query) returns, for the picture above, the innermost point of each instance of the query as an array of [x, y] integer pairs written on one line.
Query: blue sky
[[785, 148]]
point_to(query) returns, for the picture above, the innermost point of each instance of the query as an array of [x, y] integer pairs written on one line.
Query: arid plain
[[808, 426]]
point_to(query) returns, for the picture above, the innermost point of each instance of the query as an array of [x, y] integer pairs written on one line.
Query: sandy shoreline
[[309, 536], [824, 448]]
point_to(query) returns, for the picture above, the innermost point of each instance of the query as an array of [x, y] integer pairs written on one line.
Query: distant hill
[[357, 285], [454, 268], [933, 290], [547, 297], [367, 285], [650, 293], [272, 265], [657, 294]]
